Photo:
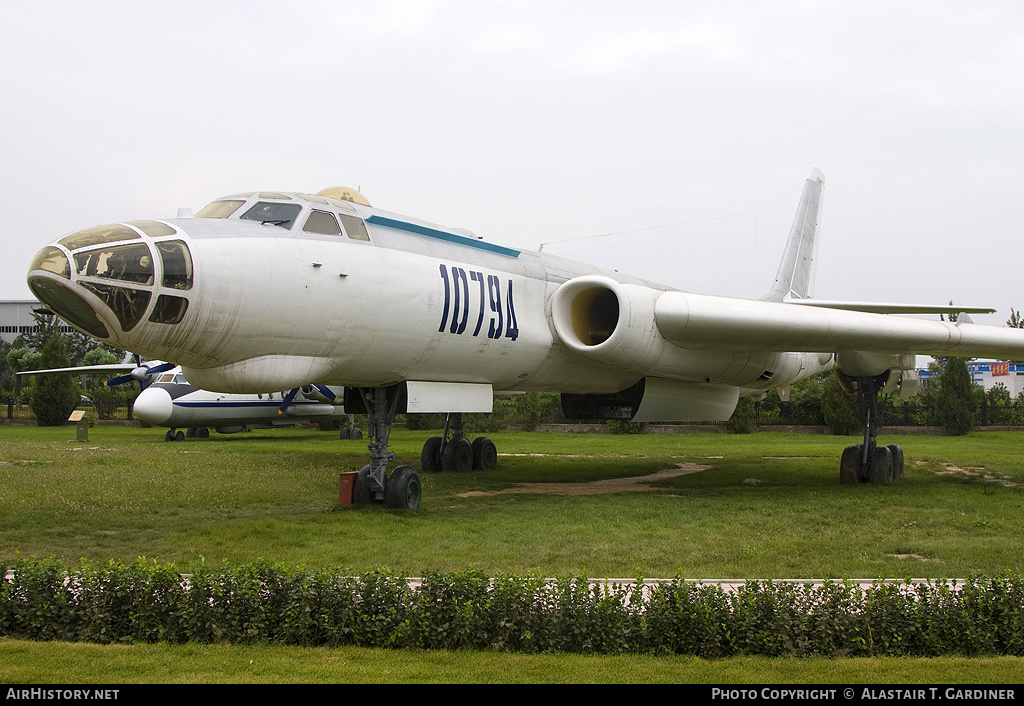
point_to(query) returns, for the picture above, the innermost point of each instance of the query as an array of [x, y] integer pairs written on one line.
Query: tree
[[838, 409], [955, 402], [54, 397], [76, 344], [1015, 320], [744, 417]]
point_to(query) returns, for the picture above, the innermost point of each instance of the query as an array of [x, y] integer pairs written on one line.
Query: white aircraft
[[272, 291], [168, 400]]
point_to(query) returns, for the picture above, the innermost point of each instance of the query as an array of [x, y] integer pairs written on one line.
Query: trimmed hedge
[[272, 604]]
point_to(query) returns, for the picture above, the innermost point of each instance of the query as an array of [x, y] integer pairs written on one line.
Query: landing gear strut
[[454, 452], [867, 461], [402, 490]]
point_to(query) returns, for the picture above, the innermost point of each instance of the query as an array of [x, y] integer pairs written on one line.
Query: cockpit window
[[177, 264], [354, 227], [278, 214], [219, 209], [322, 222], [154, 229], [98, 236], [169, 310], [128, 263], [68, 305], [51, 259], [127, 304]]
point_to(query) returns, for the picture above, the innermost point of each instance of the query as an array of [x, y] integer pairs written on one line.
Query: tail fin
[[795, 279]]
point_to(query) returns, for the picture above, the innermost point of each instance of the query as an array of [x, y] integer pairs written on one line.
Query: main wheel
[[880, 466], [897, 460], [169, 436], [180, 436], [849, 465], [404, 491], [485, 454], [361, 492], [458, 456], [430, 457]]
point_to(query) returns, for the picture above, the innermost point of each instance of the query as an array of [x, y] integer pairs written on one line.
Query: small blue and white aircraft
[[273, 291], [168, 400]]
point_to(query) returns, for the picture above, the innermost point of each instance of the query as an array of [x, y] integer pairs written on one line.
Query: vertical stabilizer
[[795, 279]]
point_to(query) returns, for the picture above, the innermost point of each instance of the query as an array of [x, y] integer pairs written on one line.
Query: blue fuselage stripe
[[428, 232]]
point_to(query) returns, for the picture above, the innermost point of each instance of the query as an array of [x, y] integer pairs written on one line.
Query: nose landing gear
[[402, 491]]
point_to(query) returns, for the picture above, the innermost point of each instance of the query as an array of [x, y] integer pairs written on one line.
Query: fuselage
[[171, 401], [270, 291]]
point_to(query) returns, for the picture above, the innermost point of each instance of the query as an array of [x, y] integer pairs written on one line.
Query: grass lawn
[[558, 505]]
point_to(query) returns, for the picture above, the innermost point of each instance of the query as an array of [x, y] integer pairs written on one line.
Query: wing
[[698, 321]]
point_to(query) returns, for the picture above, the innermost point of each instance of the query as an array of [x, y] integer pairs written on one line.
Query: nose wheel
[[402, 490]]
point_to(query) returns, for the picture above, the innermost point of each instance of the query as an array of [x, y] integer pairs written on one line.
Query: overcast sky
[[683, 129]]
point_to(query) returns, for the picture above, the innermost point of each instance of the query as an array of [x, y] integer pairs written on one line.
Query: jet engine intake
[[608, 321]]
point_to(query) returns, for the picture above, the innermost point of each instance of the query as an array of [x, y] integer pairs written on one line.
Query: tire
[[430, 457], [404, 491], [849, 465], [204, 432], [180, 436], [169, 436], [361, 493], [897, 460], [880, 466], [485, 454], [345, 434], [458, 456]]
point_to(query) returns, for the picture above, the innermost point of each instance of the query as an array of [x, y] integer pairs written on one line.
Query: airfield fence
[[23, 412], [271, 604]]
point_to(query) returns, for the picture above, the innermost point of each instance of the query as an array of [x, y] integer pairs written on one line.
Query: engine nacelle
[[610, 322], [897, 371], [656, 400], [901, 383]]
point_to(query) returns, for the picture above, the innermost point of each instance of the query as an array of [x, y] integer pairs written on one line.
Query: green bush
[[271, 604]]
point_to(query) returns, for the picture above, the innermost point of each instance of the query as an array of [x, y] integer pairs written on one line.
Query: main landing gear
[[454, 452], [450, 452], [192, 433], [868, 462]]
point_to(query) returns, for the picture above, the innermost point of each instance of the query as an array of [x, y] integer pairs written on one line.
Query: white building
[[988, 374], [16, 317]]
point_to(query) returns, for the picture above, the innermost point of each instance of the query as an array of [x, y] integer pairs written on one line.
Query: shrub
[[271, 604]]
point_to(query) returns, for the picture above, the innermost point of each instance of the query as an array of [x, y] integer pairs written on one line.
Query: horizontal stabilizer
[[885, 308]]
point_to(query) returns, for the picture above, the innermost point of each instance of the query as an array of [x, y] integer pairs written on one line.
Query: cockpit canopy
[[119, 264], [284, 210]]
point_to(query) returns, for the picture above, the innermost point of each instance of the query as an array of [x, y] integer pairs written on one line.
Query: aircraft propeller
[[142, 373], [311, 390]]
